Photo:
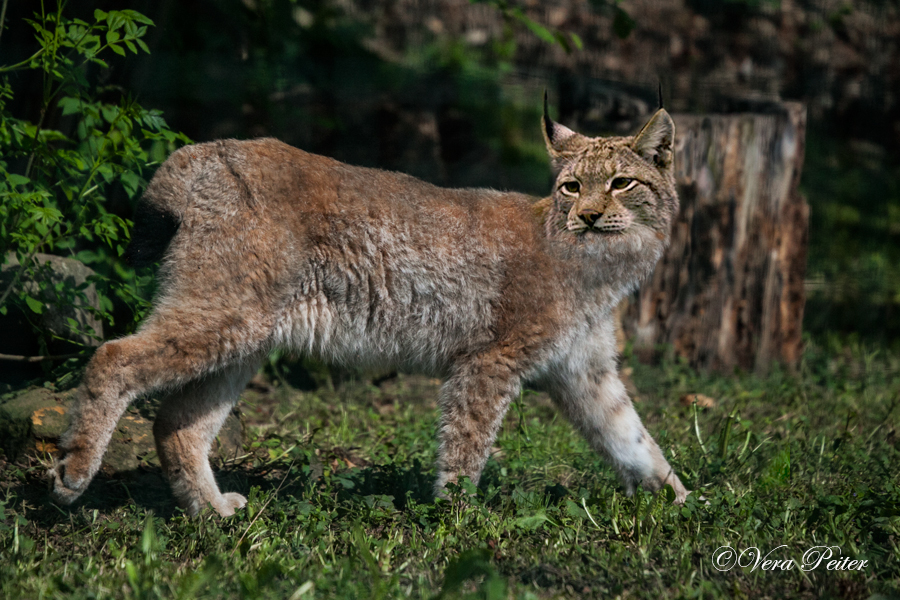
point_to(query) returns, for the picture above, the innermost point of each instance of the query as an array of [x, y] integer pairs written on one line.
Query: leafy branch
[[54, 186]]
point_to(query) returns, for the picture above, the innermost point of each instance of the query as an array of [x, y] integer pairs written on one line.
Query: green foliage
[[54, 186]]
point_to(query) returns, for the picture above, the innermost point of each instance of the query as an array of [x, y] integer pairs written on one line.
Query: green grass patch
[[340, 504]]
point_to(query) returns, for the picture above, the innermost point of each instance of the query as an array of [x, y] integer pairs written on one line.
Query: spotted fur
[[274, 247]]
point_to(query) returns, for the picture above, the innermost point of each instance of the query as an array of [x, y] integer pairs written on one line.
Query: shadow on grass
[[146, 488]]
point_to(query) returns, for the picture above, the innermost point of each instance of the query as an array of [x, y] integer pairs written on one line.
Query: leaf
[[136, 16], [131, 182], [16, 180], [109, 112], [563, 41], [112, 37], [623, 24], [69, 105], [105, 303], [48, 214], [532, 522], [535, 27], [669, 494], [115, 19], [99, 15], [34, 304], [575, 511], [118, 50], [576, 39], [154, 120]]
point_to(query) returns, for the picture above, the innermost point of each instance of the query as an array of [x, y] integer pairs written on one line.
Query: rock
[[57, 307], [34, 419], [31, 415], [131, 444], [23, 328], [49, 423]]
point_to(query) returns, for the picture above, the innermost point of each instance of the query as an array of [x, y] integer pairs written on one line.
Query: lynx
[[264, 245]]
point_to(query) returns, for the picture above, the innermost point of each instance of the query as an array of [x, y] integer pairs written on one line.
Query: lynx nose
[[590, 216]]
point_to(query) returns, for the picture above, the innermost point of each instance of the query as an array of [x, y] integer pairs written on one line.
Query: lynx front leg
[[598, 405], [185, 428], [473, 403]]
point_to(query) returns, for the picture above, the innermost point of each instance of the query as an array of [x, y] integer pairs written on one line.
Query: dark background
[[450, 91]]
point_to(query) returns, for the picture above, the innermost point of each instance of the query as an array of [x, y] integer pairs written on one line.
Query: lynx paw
[[66, 488], [679, 499], [230, 503]]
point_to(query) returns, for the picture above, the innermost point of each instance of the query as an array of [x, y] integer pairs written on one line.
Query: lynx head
[[615, 196]]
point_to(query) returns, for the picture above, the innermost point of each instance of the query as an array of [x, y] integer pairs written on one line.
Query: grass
[[340, 506]]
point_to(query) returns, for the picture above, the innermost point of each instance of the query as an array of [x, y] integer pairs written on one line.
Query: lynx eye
[[571, 187], [622, 183]]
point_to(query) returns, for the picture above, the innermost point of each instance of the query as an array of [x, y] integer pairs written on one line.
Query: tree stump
[[729, 290]]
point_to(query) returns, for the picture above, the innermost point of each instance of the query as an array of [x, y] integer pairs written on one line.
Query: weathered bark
[[729, 290]]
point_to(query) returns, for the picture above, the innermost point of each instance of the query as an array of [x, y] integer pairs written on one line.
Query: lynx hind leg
[[187, 423], [473, 403], [172, 350], [599, 407]]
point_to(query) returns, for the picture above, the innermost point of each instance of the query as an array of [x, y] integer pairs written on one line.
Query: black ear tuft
[[548, 123], [561, 141], [659, 92]]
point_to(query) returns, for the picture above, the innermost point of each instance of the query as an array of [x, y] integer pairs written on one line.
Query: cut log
[[729, 290]]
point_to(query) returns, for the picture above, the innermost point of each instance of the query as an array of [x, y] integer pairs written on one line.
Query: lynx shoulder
[[263, 245]]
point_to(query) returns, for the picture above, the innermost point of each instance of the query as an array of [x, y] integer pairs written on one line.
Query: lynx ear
[[655, 141], [561, 141]]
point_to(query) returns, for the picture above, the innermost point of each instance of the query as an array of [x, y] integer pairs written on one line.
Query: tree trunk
[[729, 290]]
